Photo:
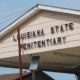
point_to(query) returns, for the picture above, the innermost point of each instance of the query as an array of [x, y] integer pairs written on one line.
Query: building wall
[[42, 20]]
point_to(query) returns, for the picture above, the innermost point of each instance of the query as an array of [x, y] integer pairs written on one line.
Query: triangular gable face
[[48, 34], [45, 31]]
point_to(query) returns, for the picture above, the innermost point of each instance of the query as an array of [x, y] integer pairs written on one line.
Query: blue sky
[[10, 7]]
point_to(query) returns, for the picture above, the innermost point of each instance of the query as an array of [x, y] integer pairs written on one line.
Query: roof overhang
[[33, 11]]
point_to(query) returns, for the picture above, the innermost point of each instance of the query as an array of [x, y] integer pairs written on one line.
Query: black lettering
[[52, 30], [34, 34], [43, 43], [24, 46], [64, 39], [42, 33], [66, 26], [35, 44], [22, 36], [47, 42], [57, 28], [62, 30], [38, 33], [28, 35], [59, 40], [28, 46], [54, 41], [71, 26], [39, 44]]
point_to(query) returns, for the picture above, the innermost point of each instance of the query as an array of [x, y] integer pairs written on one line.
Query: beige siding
[[43, 20]]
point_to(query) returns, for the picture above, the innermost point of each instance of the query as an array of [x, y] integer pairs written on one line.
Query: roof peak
[[37, 5], [33, 11], [55, 7]]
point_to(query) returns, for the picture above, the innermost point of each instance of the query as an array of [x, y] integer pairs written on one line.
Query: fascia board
[[74, 12]]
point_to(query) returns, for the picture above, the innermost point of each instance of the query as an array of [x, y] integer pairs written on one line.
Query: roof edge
[[34, 10], [19, 20], [56, 7], [59, 9]]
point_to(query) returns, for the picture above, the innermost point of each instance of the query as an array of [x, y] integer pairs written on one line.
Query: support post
[[33, 75], [19, 49], [34, 65]]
